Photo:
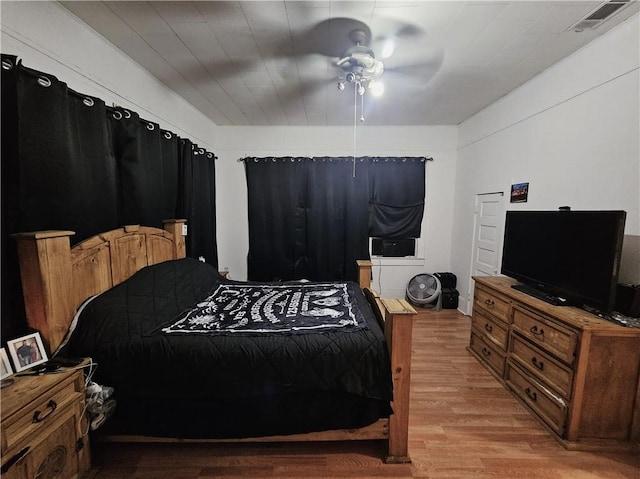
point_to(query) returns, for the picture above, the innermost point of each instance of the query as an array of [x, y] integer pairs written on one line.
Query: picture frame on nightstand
[[5, 365], [27, 351]]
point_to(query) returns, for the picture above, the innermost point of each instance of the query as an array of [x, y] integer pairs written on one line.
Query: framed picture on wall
[[27, 351], [5, 365], [519, 192]]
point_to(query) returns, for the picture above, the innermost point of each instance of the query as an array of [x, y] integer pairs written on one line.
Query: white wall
[[390, 278], [572, 133]]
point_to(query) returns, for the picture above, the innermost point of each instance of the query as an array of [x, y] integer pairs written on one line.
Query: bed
[[151, 319]]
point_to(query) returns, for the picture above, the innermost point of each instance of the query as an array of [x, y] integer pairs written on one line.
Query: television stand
[[578, 374], [536, 293]]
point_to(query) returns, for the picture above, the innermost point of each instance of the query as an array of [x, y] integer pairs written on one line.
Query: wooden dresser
[[578, 374], [44, 428]]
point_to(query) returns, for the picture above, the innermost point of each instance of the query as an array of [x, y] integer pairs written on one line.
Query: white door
[[487, 237]]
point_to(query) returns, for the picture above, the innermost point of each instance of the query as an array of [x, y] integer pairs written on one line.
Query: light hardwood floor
[[463, 424]]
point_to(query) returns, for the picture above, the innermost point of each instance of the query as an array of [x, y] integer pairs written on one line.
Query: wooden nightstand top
[[26, 389]]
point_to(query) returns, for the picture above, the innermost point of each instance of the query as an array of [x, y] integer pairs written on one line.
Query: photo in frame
[[5, 365], [519, 192], [27, 351]]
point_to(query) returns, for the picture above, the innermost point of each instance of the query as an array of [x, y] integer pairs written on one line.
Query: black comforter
[[180, 377]]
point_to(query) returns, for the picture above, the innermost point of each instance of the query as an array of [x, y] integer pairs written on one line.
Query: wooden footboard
[[56, 278]]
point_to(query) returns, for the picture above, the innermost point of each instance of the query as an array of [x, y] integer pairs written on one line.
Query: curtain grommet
[[167, 135], [151, 126], [127, 114], [88, 101], [7, 65], [117, 115], [44, 81]]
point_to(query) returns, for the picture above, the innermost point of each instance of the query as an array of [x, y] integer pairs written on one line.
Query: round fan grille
[[423, 288]]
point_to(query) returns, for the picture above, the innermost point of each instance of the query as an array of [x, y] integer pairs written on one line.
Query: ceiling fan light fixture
[[376, 88], [388, 48]]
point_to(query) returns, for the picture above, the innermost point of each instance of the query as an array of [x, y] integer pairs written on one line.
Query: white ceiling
[[272, 62]]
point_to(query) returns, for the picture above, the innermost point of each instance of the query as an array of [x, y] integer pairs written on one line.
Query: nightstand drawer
[[495, 330], [492, 303], [547, 335], [38, 415], [491, 355], [540, 364], [551, 408]]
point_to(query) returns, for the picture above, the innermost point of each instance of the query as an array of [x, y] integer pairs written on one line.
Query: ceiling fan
[[360, 65], [403, 55]]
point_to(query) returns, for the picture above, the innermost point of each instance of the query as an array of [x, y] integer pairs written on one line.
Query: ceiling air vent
[[603, 12]]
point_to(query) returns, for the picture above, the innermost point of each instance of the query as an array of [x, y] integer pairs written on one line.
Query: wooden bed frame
[[57, 278]]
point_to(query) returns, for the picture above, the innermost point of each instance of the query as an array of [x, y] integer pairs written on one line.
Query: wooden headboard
[[57, 278]]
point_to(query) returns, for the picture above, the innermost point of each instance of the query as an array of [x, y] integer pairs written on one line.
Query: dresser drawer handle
[[486, 352], [537, 363], [489, 302], [19, 455], [41, 416], [532, 395], [537, 332], [488, 327]]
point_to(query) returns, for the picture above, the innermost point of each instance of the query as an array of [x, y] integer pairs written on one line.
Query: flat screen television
[[565, 257]]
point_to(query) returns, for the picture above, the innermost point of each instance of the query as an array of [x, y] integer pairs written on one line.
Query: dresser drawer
[[551, 408], [497, 306], [487, 351], [37, 415], [540, 364], [547, 335], [495, 330]]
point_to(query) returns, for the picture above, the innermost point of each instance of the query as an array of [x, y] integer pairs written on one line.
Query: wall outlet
[[184, 230]]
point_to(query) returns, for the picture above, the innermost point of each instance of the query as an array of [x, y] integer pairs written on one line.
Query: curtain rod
[[349, 158]]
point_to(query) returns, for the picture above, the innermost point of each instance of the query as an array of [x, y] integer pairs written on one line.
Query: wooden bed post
[[175, 227], [47, 282], [364, 273], [399, 316]]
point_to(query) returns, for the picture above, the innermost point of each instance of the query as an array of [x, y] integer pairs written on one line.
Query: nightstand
[[44, 427]]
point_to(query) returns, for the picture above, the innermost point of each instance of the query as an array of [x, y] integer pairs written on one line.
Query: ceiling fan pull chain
[[355, 124]]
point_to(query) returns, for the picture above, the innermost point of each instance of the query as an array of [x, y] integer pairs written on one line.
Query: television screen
[[573, 256]]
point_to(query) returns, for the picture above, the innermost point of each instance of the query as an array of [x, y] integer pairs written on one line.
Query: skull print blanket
[[285, 308]]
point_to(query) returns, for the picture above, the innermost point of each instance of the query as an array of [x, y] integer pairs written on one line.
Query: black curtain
[[70, 162], [197, 201], [12, 304], [277, 219], [66, 167], [336, 209], [396, 197], [137, 145], [312, 217]]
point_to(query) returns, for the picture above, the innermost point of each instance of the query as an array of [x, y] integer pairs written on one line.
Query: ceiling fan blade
[[417, 61], [330, 37], [305, 88], [391, 35]]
